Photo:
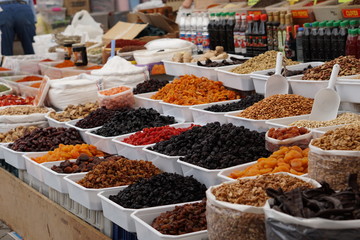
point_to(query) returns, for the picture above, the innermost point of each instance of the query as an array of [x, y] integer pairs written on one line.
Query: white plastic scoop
[[277, 84], [327, 100]]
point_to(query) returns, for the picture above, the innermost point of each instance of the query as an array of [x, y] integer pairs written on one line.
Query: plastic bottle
[[255, 35], [275, 25], [230, 24], [188, 27], [211, 31], [242, 34], [281, 29], [193, 28], [299, 45], [248, 34], [237, 43], [199, 30], [269, 31], [344, 25], [263, 45], [290, 47], [320, 41], [351, 42], [327, 41], [358, 45], [313, 41], [182, 31], [306, 43], [205, 34], [334, 40]]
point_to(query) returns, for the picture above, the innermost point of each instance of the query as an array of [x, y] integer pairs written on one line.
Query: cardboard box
[[154, 19], [73, 6], [102, 5], [203, 4], [123, 30]]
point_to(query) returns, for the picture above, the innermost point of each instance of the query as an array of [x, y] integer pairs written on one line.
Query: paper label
[[344, 1], [254, 12], [351, 13], [300, 13]]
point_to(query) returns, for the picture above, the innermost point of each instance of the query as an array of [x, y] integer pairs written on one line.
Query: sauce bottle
[[269, 31], [351, 42], [327, 42], [248, 35], [222, 31], [281, 29], [217, 30], [289, 43], [313, 42], [263, 43], [358, 45], [299, 45], [306, 43], [275, 25], [344, 25], [320, 41], [334, 40], [230, 24], [205, 33], [255, 35]]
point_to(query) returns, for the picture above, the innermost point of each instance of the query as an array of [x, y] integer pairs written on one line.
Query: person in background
[[17, 17], [187, 3]]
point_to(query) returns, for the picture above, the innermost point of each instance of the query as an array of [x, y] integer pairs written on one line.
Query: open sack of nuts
[[235, 210], [319, 213], [336, 155]]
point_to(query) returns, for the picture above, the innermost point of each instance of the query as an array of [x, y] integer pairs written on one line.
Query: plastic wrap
[[280, 226], [302, 141], [333, 166], [123, 99]]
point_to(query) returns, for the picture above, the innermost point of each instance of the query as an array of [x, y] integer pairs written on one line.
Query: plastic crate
[[49, 3]]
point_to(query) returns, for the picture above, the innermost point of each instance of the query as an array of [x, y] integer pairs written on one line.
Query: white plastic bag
[[73, 90], [168, 43], [273, 144], [84, 25], [120, 100], [16, 119]]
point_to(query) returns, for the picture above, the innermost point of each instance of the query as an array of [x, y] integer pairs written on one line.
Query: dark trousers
[[16, 18]]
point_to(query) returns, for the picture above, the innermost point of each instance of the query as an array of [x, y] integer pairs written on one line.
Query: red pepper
[[7, 100], [154, 135]]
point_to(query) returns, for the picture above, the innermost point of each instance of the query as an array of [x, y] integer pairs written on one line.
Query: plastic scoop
[[327, 100], [277, 84]]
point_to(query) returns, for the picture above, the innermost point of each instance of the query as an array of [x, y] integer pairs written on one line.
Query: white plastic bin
[[175, 68], [306, 88], [164, 162], [144, 100], [223, 175], [82, 131], [241, 82], [105, 144], [33, 168], [14, 158], [55, 123]]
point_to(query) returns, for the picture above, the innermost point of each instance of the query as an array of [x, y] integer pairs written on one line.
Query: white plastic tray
[[175, 68], [55, 123], [306, 88], [241, 82], [257, 125], [144, 217], [223, 175], [260, 77], [48, 69], [87, 197], [14, 158], [201, 71], [33, 168], [82, 131], [203, 175], [203, 117], [181, 112], [53, 179], [136, 151], [105, 144], [2, 150], [144, 100], [164, 162], [348, 91]]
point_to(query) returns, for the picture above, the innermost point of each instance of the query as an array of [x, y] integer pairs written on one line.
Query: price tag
[[344, 1], [300, 13], [254, 12], [351, 13], [252, 2]]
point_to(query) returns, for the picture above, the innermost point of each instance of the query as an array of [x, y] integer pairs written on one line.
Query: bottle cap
[[329, 24], [243, 16], [256, 17], [353, 23], [300, 29], [315, 24], [322, 24], [249, 18], [218, 14], [307, 25], [212, 14], [343, 24], [263, 17], [336, 24]]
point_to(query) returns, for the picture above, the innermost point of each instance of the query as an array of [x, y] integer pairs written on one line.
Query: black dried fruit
[[162, 189], [235, 106], [96, 118], [151, 85], [132, 121]]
